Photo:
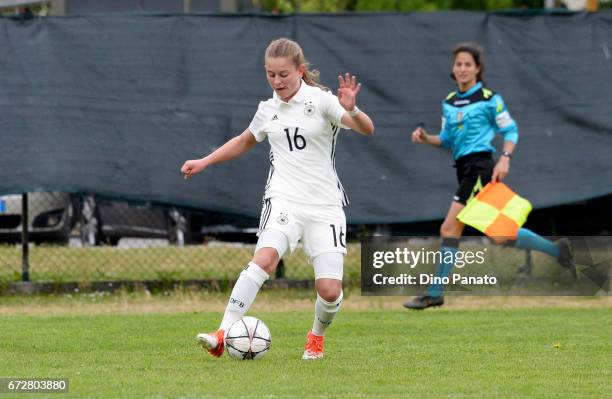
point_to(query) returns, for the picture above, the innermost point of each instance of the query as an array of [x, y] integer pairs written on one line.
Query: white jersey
[[302, 134]]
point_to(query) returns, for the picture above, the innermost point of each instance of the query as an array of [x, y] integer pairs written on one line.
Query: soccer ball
[[248, 338]]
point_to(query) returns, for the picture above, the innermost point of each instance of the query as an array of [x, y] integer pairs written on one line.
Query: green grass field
[[389, 352]]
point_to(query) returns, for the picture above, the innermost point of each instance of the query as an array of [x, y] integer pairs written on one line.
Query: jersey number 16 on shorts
[[339, 236]]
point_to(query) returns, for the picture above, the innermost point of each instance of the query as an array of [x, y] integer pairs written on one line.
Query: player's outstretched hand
[[419, 135], [348, 87], [192, 167]]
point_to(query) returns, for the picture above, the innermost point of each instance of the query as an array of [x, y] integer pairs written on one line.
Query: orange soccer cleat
[[314, 347], [212, 342]]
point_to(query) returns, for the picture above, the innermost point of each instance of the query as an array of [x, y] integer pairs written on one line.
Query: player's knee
[[267, 259], [271, 246], [330, 295], [329, 290]]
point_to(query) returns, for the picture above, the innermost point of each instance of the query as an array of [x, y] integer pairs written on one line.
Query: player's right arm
[[234, 148]]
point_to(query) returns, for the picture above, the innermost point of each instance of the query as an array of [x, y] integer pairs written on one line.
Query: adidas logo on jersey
[[275, 118]]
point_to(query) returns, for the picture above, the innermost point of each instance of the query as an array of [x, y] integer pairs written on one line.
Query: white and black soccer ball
[[248, 338]]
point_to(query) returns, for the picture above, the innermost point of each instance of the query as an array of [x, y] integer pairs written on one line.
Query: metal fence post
[[280, 270], [25, 247]]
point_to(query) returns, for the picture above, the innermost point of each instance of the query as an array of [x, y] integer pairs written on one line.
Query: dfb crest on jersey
[[309, 108], [282, 219]]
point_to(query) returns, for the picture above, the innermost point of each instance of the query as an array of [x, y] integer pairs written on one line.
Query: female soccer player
[[303, 197], [470, 118]]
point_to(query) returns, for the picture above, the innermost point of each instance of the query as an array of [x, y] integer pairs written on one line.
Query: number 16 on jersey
[[298, 142]]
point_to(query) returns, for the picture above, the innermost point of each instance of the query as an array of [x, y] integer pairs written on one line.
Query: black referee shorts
[[474, 171]]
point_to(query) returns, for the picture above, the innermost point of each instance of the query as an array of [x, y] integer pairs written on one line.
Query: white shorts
[[321, 228]]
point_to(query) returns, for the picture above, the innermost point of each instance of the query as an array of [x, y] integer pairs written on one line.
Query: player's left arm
[[354, 118], [507, 127]]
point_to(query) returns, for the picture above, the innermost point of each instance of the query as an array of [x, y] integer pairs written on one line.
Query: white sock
[[248, 284], [324, 314]]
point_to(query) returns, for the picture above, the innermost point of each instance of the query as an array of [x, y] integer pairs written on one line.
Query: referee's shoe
[[424, 301], [566, 256]]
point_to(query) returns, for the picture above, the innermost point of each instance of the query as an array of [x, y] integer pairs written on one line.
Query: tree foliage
[[291, 6]]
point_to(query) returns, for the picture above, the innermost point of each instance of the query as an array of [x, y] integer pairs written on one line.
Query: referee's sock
[[449, 249], [527, 239]]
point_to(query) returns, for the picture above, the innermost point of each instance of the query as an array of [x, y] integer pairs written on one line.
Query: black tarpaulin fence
[[113, 105]]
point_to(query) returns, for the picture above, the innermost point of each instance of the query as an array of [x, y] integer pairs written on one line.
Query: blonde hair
[[284, 47]]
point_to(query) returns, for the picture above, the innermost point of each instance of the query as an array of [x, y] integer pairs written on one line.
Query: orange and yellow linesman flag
[[497, 211]]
